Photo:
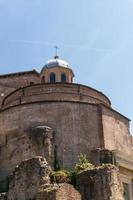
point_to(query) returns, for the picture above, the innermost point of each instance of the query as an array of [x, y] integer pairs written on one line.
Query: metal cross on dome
[[56, 52]]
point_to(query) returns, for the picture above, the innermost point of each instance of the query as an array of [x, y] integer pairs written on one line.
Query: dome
[[56, 70], [56, 62]]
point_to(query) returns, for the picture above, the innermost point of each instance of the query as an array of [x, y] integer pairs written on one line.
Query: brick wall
[[19, 79], [100, 184], [9, 83], [76, 128], [55, 92], [116, 132]]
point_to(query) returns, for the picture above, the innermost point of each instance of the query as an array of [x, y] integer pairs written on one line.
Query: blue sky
[[95, 37]]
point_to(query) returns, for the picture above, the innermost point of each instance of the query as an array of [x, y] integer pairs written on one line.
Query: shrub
[[63, 176], [83, 164]]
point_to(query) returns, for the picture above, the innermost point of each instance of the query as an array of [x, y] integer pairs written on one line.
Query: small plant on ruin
[[60, 176], [83, 164], [64, 176]]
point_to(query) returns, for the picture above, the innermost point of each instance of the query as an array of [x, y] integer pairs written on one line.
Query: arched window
[[52, 77], [63, 77]]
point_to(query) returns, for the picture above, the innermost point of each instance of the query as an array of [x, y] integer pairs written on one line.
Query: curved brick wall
[[55, 92], [76, 127], [79, 127]]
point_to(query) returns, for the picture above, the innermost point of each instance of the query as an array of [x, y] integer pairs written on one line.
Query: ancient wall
[[116, 132], [19, 79], [5, 90], [19, 146], [27, 178], [76, 127], [55, 92], [11, 82], [102, 183], [62, 191], [31, 180]]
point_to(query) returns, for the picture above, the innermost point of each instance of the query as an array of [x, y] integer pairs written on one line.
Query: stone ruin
[[31, 181], [27, 178], [101, 183], [34, 141], [42, 138]]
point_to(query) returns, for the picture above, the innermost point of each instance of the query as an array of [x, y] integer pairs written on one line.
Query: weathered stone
[[43, 140], [84, 122], [19, 146], [102, 183], [27, 178], [30, 180], [59, 192], [10, 82]]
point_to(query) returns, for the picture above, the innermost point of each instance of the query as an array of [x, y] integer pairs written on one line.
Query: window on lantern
[[52, 77], [63, 77]]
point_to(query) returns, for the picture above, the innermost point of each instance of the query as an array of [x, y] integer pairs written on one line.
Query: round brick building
[[64, 118]]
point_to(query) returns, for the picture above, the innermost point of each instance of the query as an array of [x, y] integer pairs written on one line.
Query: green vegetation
[[83, 164], [61, 175]]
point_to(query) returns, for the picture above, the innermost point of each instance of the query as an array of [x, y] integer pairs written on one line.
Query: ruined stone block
[[102, 183], [59, 192], [27, 178]]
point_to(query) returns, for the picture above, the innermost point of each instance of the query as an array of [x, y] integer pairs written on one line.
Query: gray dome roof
[[56, 62]]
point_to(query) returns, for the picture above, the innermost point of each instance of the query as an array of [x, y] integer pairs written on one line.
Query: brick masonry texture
[[100, 184], [58, 122], [74, 125], [55, 92], [9, 83], [27, 178], [77, 130], [62, 191], [30, 180]]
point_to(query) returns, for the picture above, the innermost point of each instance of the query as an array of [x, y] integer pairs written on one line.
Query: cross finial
[[56, 52]]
